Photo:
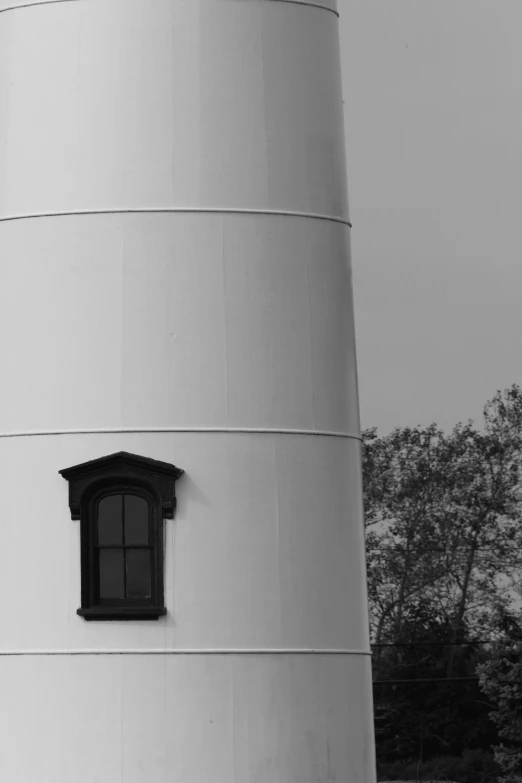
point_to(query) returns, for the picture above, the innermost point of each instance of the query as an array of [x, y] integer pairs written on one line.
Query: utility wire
[[435, 644], [415, 550], [427, 679]]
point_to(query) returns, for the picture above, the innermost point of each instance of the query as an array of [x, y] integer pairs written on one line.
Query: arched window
[[121, 501]]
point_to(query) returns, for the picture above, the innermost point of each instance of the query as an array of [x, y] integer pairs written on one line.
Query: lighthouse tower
[[182, 567]]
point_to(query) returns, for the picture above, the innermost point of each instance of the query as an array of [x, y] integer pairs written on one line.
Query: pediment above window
[[127, 468]]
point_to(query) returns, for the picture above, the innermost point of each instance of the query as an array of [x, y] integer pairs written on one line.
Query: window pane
[[110, 520], [138, 573], [111, 573], [136, 520]]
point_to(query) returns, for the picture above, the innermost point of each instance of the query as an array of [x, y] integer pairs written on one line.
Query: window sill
[[122, 612]]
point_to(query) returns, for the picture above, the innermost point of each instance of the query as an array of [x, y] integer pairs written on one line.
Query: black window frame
[[90, 549], [121, 473]]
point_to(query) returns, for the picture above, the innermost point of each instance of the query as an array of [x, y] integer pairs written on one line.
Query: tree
[[404, 475], [486, 514], [444, 554], [443, 521]]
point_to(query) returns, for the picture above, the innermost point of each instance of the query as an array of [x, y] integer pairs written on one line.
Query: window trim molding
[[119, 473]]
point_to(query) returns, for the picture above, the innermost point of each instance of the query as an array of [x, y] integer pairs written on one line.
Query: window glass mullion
[[124, 552], [122, 546]]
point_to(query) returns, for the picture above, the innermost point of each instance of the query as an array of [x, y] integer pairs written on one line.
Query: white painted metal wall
[[175, 282]]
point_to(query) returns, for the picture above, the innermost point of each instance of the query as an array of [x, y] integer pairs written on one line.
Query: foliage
[[474, 766], [501, 681], [443, 523], [423, 720], [444, 553]]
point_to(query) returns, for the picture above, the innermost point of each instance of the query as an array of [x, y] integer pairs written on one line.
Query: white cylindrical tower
[[176, 285]]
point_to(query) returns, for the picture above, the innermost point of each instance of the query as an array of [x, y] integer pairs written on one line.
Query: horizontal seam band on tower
[[224, 430], [310, 3], [193, 210], [54, 2], [174, 651], [32, 5]]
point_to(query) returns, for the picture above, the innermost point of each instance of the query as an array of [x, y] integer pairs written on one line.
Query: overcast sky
[[433, 113]]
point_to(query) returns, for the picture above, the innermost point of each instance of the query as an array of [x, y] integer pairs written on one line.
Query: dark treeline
[[443, 515]]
